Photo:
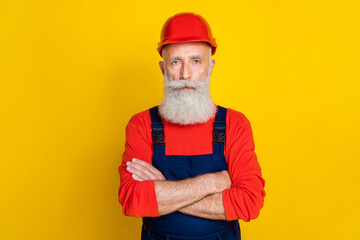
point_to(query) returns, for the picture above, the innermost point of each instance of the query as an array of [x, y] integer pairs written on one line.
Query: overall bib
[[179, 226]]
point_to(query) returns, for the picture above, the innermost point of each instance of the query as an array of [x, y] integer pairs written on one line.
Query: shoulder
[[236, 118], [238, 129], [138, 129], [237, 124], [236, 115], [140, 117], [139, 122]]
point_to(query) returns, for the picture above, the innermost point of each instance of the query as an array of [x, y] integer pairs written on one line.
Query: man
[[189, 167]]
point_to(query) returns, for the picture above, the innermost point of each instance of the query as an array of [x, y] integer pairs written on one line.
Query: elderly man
[[189, 168]]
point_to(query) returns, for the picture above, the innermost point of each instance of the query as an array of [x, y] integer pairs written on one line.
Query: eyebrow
[[192, 57], [175, 58]]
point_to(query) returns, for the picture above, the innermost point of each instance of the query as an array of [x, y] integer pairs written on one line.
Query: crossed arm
[[200, 196]]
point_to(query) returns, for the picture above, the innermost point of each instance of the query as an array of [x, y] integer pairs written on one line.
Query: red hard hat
[[186, 27]]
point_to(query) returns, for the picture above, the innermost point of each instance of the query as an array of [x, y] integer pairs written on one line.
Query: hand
[[142, 170]]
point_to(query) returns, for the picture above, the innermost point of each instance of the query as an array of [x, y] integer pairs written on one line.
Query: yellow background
[[73, 73]]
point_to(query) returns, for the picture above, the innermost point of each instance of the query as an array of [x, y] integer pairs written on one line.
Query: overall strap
[[157, 127], [219, 130]]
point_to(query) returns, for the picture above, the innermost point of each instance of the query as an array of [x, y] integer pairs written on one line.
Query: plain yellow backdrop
[[72, 73]]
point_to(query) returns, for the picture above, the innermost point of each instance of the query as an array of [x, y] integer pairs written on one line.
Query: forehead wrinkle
[[196, 56]]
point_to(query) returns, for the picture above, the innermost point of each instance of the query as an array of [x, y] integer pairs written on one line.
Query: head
[[187, 67]]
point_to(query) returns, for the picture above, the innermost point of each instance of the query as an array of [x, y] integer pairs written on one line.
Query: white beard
[[190, 106]]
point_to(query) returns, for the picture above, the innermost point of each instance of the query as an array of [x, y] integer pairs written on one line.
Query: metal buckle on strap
[[219, 137], [158, 139], [158, 135]]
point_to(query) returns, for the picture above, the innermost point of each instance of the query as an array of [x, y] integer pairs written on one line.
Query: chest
[[188, 140]]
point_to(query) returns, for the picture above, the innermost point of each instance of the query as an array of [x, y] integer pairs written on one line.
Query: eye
[[196, 61], [175, 62]]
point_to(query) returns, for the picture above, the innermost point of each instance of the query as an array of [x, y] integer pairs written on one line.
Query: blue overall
[[179, 226]]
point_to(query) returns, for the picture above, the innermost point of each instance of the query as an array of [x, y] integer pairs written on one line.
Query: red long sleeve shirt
[[243, 200]]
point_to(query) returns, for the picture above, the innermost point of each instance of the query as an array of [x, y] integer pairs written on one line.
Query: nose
[[185, 72]]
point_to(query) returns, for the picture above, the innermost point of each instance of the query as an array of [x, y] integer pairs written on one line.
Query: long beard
[[190, 106]]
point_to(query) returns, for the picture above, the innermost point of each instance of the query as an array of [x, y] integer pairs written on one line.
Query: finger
[[137, 178], [139, 173], [150, 167], [144, 172]]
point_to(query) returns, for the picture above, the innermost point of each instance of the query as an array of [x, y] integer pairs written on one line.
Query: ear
[[212, 64], [162, 67]]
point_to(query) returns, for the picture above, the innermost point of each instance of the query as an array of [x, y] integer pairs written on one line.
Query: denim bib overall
[[179, 226]]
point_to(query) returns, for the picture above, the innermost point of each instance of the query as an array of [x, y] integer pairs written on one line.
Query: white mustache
[[174, 85]]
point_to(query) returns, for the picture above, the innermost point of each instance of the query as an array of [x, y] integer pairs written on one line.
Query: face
[[187, 61]]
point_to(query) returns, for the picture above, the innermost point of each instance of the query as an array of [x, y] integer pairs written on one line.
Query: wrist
[[210, 183], [221, 181]]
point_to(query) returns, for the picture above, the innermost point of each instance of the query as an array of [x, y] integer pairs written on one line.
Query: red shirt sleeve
[[138, 198], [245, 198]]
